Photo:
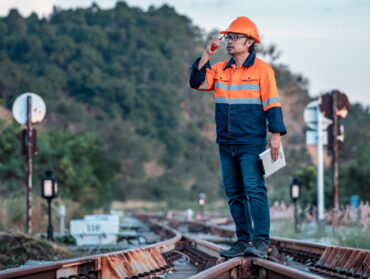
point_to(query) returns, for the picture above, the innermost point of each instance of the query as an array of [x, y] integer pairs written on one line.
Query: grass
[[219, 206], [12, 219], [17, 248], [355, 236]]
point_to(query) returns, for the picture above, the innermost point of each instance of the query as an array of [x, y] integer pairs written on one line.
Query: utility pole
[[29, 166], [29, 109], [335, 106], [335, 159], [320, 167]]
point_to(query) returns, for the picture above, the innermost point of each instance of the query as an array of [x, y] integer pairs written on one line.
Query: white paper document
[[269, 166]]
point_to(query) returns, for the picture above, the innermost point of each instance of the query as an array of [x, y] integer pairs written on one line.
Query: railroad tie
[[323, 259], [366, 274], [359, 265], [343, 263], [142, 263]]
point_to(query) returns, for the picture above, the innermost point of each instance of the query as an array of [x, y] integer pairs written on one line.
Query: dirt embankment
[[17, 248]]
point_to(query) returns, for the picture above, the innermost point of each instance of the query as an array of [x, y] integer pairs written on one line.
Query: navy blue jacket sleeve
[[198, 76], [275, 121]]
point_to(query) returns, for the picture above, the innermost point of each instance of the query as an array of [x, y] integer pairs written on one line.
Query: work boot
[[258, 249], [236, 250]]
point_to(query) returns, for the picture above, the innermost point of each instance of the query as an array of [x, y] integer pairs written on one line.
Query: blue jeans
[[246, 191]]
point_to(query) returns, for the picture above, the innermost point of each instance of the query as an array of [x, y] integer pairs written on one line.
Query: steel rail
[[153, 260], [320, 259], [222, 231], [323, 260], [48, 270], [169, 244], [252, 268], [94, 264], [311, 247], [205, 246], [228, 269], [145, 262], [274, 270]]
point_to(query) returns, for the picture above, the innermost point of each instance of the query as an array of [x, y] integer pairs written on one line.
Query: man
[[247, 103]]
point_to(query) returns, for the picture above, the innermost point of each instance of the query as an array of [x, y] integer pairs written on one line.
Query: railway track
[[187, 256], [313, 259]]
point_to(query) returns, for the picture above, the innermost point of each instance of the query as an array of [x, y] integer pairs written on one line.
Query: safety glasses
[[233, 37]]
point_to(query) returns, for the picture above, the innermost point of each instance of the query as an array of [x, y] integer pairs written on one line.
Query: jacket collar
[[248, 62]]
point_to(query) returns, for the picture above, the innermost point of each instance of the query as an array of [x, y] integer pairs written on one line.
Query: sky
[[327, 41]]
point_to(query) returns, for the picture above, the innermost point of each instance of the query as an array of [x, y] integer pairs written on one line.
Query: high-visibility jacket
[[247, 100]]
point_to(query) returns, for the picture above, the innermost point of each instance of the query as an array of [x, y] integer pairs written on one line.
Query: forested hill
[[121, 120]]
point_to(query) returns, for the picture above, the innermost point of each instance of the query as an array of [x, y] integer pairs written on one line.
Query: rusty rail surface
[[311, 248], [323, 260], [294, 255], [123, 264], [252, 268], [150, 261], [159, 260]]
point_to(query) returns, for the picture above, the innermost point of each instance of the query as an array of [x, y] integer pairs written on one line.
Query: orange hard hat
[[243, 25]]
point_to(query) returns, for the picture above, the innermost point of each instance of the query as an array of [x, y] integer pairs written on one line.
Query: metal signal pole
[[29, 166], [335, 106], [29, 109], [335, 159], [320, 168]]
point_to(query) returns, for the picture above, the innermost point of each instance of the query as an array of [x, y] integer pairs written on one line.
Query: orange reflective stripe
[[236, 86]]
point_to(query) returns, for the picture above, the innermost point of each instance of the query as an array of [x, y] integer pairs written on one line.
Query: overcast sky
[[327, 41]]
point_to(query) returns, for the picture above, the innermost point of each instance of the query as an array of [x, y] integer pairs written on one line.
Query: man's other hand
[[275, 145]]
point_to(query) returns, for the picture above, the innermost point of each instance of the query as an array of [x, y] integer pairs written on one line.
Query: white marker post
[[318, 136], [62, 214]]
